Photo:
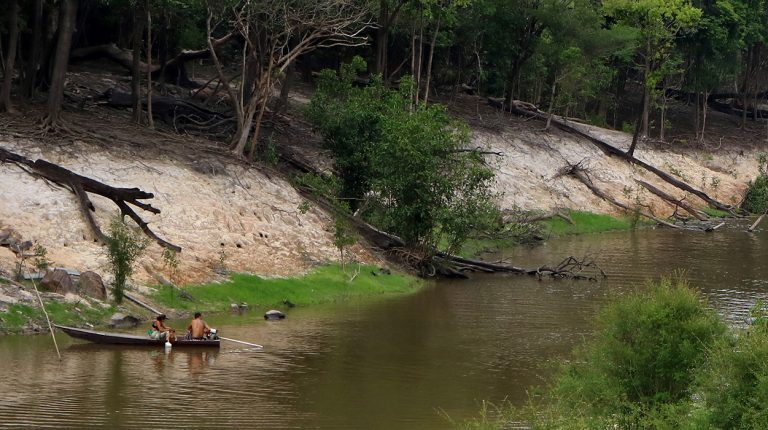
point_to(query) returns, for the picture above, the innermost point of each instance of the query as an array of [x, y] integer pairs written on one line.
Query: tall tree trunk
[[551, 105], [56, 93], [638, 126], [150, 120], [13, 38], [703, 115], [429, 62], [419, 60], [646, 91], [382, 39], [33, 65], [138, 30], [285, 89]]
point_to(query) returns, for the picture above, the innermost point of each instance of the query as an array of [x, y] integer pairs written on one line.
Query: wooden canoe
[[130, 339]]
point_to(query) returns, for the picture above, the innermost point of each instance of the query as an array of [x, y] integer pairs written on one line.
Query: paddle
[[240, 341]]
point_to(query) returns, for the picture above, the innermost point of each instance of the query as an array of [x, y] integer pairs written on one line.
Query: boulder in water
[[121, 320], [274, 315]]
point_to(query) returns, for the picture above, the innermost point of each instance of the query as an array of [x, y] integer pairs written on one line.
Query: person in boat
[[161, 331], [198, 329]]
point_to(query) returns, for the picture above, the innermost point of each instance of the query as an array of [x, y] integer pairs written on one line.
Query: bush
[[756, 199], [412, 165], [639, 370], [124, 247], [734, 384]]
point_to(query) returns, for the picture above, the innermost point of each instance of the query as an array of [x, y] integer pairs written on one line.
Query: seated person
[[198, 329], [160, 331]]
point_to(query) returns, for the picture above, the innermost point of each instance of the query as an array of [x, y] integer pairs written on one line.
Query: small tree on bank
[[124, 247], [412, 164]]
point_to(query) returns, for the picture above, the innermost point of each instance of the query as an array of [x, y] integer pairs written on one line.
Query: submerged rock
[[274, 315], [121, 320]]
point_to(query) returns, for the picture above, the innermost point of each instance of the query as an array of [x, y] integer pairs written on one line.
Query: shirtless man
[[162, 331], [198, 328]]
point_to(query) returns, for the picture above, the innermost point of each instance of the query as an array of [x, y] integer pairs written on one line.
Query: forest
[[224, 70]]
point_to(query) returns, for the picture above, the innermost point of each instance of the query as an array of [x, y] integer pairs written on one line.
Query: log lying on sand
[[579, 173], [175, 112], [81, 186], [174, 70], [675, 202], [527, 109]]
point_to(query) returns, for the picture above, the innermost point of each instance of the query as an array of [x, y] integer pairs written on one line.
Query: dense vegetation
[[660, 359]]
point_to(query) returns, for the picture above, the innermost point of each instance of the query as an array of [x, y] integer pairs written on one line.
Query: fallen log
[[579, 174], [81, 186], [569, 268], [526, 109], [174, 70], [676, 202], [173, 111], [754, 226]]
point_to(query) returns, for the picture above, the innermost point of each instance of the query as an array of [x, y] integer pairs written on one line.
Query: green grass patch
[[587, 222], [716, 213], [325, 284], [19, 315]]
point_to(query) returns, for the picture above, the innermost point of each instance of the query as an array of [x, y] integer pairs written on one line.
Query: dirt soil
[[231, 215]]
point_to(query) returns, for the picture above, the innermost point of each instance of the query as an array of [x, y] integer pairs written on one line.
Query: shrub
[[124, 247], [639, 370], [756, 199]]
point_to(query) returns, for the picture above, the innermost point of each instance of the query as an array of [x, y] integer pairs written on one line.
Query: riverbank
[[324, 284]]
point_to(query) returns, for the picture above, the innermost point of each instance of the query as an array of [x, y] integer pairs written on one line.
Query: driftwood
[[675, 202], [174, 70], [754, 226], [579, 173], [711, 229], [527, 109], [178, 113], [81, 186], [569, 268]]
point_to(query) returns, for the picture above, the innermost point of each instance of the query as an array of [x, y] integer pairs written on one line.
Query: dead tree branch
[[81, 186]]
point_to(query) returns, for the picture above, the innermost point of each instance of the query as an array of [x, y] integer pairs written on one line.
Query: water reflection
[[387, 363]]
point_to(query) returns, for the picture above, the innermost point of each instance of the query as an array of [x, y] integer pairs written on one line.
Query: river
[[402, 362]]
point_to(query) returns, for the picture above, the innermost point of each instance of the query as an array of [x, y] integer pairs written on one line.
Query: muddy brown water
[[402, 362]]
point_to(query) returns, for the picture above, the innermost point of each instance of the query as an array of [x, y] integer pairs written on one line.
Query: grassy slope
[[323, 285], [18, 315]]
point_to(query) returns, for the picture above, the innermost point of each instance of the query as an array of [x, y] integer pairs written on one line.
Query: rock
[[274, 315], [121, 320], [92, 285], [73, 298], [58, 281], [238, 309]]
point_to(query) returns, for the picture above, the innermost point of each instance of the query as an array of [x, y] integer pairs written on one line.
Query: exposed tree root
[[578, 172], [81, 186], [527, 109]]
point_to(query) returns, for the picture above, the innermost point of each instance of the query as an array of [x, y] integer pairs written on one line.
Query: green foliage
[[412, 164], [19, 315], [756, 199], [715, 213], [586, 222], [343, 237], [323, 285], [639, 370], [124, 247]]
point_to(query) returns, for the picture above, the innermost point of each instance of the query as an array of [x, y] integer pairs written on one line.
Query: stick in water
[[47, 319], [240, 341]]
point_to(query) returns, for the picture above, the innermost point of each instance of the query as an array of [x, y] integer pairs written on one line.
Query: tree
[[659, 23], [124, 247], [275, 34], [13, 38], [68, 13], [414, 164]]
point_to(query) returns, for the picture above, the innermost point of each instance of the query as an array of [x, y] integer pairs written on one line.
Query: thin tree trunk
[[703, 115], [30, 82], [636, 135], [419, 55], [150, 120], [138, 30], [285, 89], [265, 91], [551, 105], [646, 92], [429, 62], [56, 92], [382, 38], [13, 38]]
